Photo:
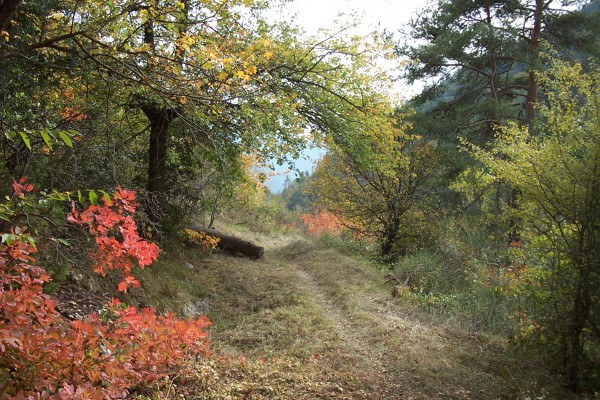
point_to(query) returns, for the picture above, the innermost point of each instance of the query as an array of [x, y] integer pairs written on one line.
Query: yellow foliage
[[205, 241]]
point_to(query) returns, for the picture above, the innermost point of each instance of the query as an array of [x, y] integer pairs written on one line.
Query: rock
[[188, 265], [196, 308]]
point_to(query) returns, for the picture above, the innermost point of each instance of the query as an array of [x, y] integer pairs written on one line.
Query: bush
[[460, 276], [104, 356]]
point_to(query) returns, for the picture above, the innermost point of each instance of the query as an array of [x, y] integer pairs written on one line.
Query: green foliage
[[59, 272], [162, 92], [373, 177], [296, 193], [479, 57], [187, 100], [269, 215], [284, 220], [556, 173], [574, 33], [347, 244], [455, 276]]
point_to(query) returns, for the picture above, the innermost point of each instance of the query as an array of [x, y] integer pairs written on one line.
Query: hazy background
[[312, 15]]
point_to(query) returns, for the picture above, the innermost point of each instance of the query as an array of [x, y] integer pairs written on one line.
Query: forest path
[[308, 322], [355, 336]]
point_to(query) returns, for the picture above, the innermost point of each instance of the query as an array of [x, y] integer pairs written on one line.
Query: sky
[[314, 14], [391, 14]]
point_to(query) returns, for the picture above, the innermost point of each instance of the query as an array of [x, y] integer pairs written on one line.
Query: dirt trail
[[404, 354], [347, 338], [345, 329], [362, 353]]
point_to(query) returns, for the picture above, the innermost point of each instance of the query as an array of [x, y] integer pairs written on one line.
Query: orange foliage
[[321, 222], [205, 241], [104, 356], [73, 113], [118, 244], [21, 187]]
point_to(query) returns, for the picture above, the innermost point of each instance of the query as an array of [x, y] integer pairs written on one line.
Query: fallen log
[[233, 244]]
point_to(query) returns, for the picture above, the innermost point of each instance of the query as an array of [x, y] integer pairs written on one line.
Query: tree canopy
[[169, 81], [185, 101], [480, 57], [558, 174]]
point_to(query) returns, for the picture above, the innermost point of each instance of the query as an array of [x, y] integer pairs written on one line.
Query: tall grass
[[457, 276]]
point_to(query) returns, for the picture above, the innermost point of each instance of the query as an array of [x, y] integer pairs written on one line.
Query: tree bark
[[494, 84], [390, 239], [534, 60], [7, 9], [530, 102], [581, 312], [160, 118], [233, 244]]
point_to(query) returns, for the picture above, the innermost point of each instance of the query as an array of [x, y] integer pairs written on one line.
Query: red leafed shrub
[[321, 222], [118, 245], [104, 356]]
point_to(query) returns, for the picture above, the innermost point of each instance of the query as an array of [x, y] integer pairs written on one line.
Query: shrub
[[321, 222], [205, 241], [104, 356]]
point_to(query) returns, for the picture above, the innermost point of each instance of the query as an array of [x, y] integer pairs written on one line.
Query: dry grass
[[308, 322]]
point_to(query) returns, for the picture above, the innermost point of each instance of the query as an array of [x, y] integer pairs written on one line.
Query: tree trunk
[[534, 60], [7, 9], [390, 237], [581, 311], [494, 84], [514, 223], [530, 102], [160, 118], [233, 244]]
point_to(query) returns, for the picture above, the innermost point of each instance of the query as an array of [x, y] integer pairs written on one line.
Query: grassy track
[[308, 322]]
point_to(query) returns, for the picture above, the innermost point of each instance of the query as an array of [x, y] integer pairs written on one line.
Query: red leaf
[[122, 286]]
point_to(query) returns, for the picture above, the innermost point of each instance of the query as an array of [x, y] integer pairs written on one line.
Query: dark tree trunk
[[581, 312], [514, 223], [534, 60], [160, 118], [390, 238], [494, 83], [530, 103], [7, 9]]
